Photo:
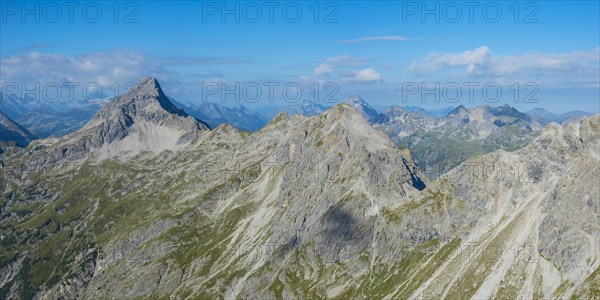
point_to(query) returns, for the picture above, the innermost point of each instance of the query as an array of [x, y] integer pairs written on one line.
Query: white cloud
[[575, 62], [376, 38], [323, 69], [104, 69], [363, 76], [331, 63], [470, 59], [340, 59], [483, 62], [343, 68]]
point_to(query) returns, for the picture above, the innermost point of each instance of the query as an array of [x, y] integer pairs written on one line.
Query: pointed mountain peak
[[458, 110], [145, 88], [146, 117], [144, 100], [356, 99], [360, 104], [148, 91], [150, 80]]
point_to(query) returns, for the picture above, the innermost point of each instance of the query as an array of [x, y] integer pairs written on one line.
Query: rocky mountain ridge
[[305, 169], [440, 143], [308, 207], [545, 117], [46, 118], [10, 131]]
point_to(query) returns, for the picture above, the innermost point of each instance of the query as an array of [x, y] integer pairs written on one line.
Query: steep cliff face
[[537, 232]]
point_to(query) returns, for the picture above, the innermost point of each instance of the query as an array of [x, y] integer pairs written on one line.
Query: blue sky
[[549, 51]]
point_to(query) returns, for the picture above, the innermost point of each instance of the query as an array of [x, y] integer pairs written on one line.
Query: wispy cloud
[[482, 62], [323, 69], [471, 59], [37, 46], [376, 38], [210, 74], [101, 68], [201, 60], [113, 72]]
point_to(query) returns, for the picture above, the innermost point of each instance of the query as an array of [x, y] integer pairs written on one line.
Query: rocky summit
[[146, 201], [141, 120]]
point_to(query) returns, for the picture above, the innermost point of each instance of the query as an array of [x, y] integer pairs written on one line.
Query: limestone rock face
[[536, 230], [142, 119], [307, 207], [315, 185]]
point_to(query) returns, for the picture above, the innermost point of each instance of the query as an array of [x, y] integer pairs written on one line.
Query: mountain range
[[439, 139], [13, 132], [544, 117], [441, 143], [214, 115], [46, 118], [145, 201]]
